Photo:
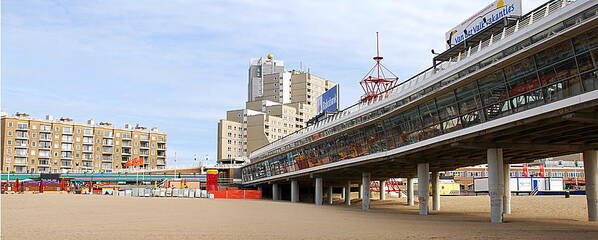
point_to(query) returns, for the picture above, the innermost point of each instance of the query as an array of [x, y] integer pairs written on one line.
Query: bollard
[[567, 194]]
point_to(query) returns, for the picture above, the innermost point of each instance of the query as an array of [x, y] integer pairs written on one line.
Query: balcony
[[44, 163], [21, 154], [20, 163], [89, 150], [161, 163], [45, 130], [45, 146], [44, 138], [22, 135], [21, 145]]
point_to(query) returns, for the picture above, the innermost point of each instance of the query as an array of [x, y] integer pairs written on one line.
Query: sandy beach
[[58, 216]]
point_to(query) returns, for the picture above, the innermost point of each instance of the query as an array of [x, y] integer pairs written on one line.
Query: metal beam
[[525, 146], [582, 117]]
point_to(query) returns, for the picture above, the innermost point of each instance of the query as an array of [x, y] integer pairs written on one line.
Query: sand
[[61, 216]]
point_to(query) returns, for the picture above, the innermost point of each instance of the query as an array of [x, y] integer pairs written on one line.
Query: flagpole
[[175, 164]]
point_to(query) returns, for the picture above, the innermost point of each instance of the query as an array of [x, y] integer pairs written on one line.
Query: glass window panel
[[554, 54], [447, 106], [585, 62], [519, 69], [467, 96], [585, 41]]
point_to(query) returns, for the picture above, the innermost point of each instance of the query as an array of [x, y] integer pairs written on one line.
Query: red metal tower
[[379, 83]]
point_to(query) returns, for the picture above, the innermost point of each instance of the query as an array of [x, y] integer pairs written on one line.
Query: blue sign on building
[[328, 101]]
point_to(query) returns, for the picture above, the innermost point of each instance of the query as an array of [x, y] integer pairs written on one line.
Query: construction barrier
[[237, 194]]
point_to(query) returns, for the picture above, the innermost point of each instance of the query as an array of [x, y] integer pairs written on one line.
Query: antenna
[[375, 85]]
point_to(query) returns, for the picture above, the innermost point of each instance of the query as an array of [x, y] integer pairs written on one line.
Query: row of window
[[512, 89], [83, 169], [86, 140], [69, 147], [85, 160], [86, 131]]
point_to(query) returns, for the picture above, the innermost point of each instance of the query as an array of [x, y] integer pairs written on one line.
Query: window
[[33, 144], [87, 131], [46, 128], [67, 147], [67, 130], [9, 133], [9, 142], [9, 124], [44, 153]]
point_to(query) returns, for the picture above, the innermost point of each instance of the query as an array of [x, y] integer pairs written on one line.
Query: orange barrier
[[253, 194], [237, 194]]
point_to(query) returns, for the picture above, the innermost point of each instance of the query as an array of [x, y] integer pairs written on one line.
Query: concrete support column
[[507, 196], [360, 191], [343, 193], [496, 184], [365, 188], [382, 189], [275, 192], [590, 166], [319, 191], [329, 197], [259, 187], [423, 182], [294, 191], [348, 194], [436, 191], [410, 192]]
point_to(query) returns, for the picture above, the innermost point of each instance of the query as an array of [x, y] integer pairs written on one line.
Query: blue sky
[[179, 65]]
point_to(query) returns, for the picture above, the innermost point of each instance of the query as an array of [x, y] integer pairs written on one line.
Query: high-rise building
[[286, 101], [259, 67], [56, 146]]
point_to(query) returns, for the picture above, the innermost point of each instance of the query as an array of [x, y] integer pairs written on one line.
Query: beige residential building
[[287, 100], [57, 146]]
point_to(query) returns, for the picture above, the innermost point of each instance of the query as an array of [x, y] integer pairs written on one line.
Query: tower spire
[[375, 85]]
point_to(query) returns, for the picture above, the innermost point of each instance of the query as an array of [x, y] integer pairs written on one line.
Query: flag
[[140, 161], [135, 162]]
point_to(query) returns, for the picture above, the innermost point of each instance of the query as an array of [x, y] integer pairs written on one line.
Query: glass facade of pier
[[564, 70]]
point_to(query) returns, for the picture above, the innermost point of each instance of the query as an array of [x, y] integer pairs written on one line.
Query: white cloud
[[182, 64]]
